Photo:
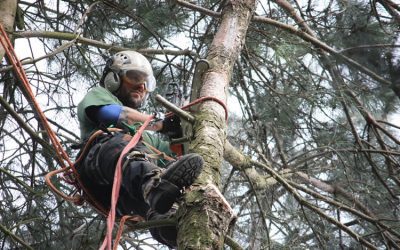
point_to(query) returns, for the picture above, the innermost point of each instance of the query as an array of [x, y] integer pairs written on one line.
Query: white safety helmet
[[123, 62]]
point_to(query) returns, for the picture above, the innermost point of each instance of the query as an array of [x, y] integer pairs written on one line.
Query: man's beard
[[129, 101]]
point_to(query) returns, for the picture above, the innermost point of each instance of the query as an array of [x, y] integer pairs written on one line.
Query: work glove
[[172, 127]]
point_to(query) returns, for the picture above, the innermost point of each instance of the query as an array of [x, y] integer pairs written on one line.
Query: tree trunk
[[8, 9], [205, 217]]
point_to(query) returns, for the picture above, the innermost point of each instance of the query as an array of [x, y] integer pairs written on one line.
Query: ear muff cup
[[110, 79]]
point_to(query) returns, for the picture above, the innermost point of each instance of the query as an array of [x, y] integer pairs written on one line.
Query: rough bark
[[8, 10], [205, 217]]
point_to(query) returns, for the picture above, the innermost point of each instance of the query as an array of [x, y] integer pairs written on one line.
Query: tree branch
[[309, 38], [14, 237], [83, 40], [241, 162], [25, 126]]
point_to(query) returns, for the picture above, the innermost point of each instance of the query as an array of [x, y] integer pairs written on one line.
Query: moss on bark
[[210, 144], [205, 217], [205, 208]]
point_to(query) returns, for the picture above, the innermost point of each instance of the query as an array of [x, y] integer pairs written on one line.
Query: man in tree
[[146, 190]]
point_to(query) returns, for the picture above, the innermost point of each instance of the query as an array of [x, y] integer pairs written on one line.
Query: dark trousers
[[97, 174]]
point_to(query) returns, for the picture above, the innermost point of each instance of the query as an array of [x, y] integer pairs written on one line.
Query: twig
[[18, 181], [49, 55], [82, 40], [87, 41], [14, 237], [373, 46], [198, 8], [25, 126]]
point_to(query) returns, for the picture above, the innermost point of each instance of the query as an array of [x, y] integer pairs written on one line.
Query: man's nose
[[139, 86]]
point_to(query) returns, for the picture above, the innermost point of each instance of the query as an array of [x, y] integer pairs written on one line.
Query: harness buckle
[[137, 156]]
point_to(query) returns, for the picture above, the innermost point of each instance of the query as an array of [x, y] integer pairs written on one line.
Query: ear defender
[[110, 79]]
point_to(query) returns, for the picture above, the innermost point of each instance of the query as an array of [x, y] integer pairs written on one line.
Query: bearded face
[[133, 90]]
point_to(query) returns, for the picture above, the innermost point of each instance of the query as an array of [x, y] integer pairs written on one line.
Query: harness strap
[[158, 154], [140, 156], [117, 184]]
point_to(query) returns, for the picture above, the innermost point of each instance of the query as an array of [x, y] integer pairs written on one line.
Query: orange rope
[[204, 99], [133, 218], [117, 184], [77, 199], [60, 152]]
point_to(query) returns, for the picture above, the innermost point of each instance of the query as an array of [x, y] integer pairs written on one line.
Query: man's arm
[[118, 115], [170, 126], [130, 116]]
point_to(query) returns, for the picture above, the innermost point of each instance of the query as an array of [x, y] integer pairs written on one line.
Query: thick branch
[[210, 134], [8, 10], [83, 40]]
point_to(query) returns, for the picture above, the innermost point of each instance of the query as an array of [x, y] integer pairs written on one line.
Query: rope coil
[[20, 72]]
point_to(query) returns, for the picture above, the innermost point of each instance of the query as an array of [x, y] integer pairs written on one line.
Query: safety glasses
[[135, 76], [138, 77]]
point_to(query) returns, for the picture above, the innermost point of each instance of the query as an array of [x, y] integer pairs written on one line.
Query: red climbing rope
[[208, 98], [201, 100], [117, 184], [20, 72], [135, 218]]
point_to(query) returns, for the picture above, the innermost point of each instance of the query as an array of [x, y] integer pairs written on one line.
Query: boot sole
[[182, 176], [186, 173]]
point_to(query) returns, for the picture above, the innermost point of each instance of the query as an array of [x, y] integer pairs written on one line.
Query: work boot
[[164, 186], [165, 234]]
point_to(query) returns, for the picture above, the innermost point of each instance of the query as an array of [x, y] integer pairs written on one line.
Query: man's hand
[[171, 126], [155, 125]]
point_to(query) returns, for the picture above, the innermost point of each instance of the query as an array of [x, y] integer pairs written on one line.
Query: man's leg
[[142, 180], [143, 183], [163, 188], [97, 175], [135, 174], [167, 234]]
